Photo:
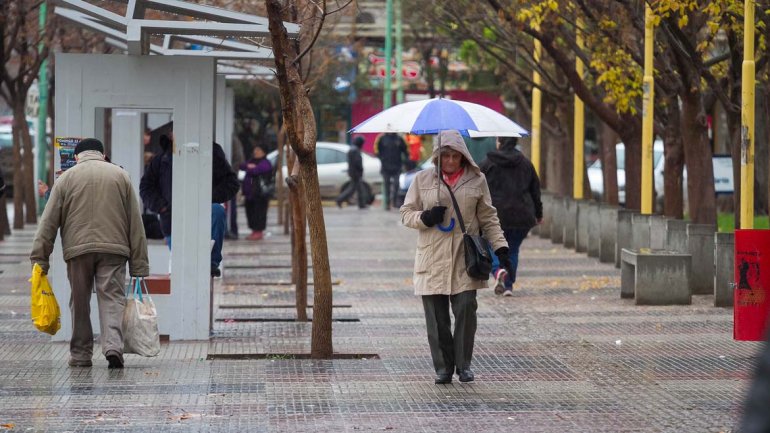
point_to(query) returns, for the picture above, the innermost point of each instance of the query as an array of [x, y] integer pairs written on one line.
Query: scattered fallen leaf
[[8, 426]]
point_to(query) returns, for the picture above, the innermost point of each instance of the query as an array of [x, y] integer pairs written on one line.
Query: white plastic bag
[[140, 321]]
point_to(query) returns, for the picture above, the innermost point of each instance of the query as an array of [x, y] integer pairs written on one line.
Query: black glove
[[502, 256], [433, 216]]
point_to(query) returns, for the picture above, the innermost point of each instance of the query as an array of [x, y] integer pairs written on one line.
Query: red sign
[[752, 282]]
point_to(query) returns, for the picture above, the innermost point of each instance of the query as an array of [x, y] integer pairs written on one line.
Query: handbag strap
[[456, 206]]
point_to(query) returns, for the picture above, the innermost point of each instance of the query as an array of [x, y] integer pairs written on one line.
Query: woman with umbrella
[[440, 276]]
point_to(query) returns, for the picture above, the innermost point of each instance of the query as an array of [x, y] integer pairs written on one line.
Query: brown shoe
[[80, 363]]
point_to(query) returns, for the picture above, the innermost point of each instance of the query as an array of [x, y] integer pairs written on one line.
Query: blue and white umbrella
[[432, 116]]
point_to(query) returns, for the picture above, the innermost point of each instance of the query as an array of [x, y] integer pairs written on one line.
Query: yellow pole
[[747, 118], [648, 112], [536, 108], [578, 163]]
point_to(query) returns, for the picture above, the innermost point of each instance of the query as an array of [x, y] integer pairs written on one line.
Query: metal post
[[578, 164], [386, 94], [536, 109], [399, 55], [747, 118], [648, 112], [42, 114]]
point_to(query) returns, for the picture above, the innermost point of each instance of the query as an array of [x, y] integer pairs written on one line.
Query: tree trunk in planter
[[673, 152], [299, 246], [301, 134], [697, 154], [18, 182], [631, 136]]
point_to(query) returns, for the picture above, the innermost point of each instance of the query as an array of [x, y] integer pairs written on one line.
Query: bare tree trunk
[[301, 133], [697, 153], [18, 176], [28, 163], [608, 140], [673, 151], [299, 246], [632, 141]]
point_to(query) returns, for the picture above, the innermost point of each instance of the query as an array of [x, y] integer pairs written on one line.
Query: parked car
[[596, 176], [406, 178], [332, 160]]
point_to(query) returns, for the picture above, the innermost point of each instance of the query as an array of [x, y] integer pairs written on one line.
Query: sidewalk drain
[[278, 319], [276, 306], [275, 356]]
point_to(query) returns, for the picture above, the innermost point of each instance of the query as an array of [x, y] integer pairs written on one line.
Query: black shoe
[[339, 204], [80, 362], [443, 378], [215, 272], [231, 236], [465, 375], [114, 359]]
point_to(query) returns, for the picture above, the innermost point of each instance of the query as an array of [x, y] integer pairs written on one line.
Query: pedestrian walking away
[[391, 149], [515, 190], [96, 247], [256, 194], [356, 175], [155, 190], [439, 269]]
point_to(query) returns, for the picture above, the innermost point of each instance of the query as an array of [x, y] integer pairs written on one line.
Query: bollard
[[582, 221], [608, 232], [557, 222], [624, 236], [676, 236], [658, 232], [594, 229], [640, 226], [700, 242], [724, 269], [570, 223]]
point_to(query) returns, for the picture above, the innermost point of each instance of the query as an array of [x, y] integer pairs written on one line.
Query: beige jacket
[[96, 209], [439, 265]]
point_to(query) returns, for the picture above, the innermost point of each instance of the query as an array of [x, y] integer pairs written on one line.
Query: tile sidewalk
[[565, 353]]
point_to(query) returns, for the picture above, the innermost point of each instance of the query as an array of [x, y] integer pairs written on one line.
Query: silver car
[[332, 160]]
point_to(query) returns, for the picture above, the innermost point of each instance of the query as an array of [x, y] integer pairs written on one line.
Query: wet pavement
[[565, 353]]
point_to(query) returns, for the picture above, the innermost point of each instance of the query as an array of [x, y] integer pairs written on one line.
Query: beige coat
[[96, 209], [439, 266]]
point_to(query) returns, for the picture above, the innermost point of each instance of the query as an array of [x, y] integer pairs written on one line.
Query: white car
[[332, 160], [596, 177]]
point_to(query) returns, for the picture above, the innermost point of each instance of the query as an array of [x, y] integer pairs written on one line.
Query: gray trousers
[[449, 351], [108, 273]]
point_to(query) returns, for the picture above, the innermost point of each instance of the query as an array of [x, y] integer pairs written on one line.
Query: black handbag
[[478, 258]]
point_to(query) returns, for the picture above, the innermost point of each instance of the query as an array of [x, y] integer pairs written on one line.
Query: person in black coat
[[356, 174], [515, 190], [155, 189], [391, 149]]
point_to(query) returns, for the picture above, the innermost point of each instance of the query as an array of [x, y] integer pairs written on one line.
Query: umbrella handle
[[448, 228]]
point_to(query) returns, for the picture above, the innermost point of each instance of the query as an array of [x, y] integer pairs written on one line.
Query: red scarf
[[451, 179]]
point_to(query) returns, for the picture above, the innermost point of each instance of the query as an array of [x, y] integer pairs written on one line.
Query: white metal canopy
[[210, 29]]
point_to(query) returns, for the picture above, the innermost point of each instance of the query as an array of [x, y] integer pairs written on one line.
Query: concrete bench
[[655, 277]]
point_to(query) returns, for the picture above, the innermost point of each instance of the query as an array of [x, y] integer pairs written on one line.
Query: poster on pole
[[64, 157]]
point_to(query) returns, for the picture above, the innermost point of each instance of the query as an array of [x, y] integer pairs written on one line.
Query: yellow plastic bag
[[45, 309]]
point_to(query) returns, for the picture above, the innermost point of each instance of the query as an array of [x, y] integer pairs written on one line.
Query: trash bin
[[752, 281]]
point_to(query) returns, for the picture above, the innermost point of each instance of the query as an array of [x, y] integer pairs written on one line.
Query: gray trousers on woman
[[449, 351], [108, 273]]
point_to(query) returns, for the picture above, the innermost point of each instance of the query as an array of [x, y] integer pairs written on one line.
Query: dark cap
[[89, 144], [358, 141]]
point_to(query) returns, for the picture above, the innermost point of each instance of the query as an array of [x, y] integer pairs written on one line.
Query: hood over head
[[453, 140]]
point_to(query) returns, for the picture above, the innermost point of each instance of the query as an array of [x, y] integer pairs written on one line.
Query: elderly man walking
[[96, 209]]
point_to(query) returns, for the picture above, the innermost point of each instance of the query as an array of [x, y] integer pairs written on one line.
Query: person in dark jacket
[[356, 174], [259, 174], [515, 190], [391, 149], [155, 190]]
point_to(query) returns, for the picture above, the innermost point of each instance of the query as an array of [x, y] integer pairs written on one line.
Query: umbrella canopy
[[432, 116]]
